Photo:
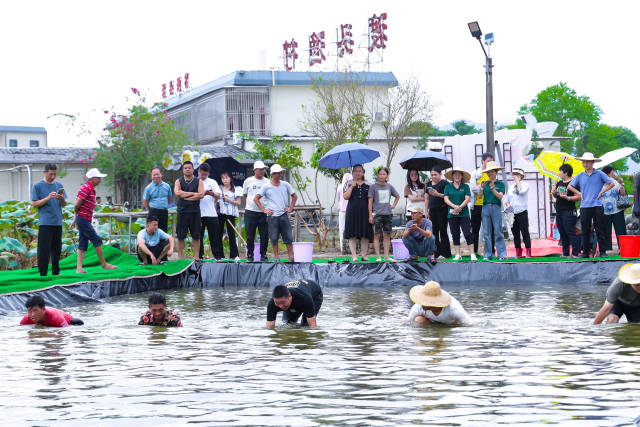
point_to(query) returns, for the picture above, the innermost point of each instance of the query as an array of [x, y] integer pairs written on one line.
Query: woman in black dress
[[357, 219]]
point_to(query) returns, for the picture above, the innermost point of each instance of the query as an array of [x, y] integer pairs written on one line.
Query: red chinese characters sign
[[290, 54], [345, 41], [180, 85], [377, 36], [316, 44]]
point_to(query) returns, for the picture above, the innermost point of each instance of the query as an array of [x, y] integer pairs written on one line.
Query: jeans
[[476, 223], [566, 221], [521, 226], [587, 215], [492, 225], [86, 234], [49, 247], [253, 220], [617, 221], [424, 247], [438, 219]]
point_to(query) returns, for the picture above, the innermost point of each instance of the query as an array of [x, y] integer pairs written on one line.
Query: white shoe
[[473, 257], [457, 258], [236, 259]]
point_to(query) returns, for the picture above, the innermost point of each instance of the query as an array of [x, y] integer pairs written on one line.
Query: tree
[[598, 140], [403, 106], [463, 128], [134, 143]]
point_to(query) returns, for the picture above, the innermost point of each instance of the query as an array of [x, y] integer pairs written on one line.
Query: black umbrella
[[227, 164], [425, 161]]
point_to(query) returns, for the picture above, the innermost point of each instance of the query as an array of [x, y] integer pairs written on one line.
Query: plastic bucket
[[400, 251], [629, 246], [303, 251], [256, 252]]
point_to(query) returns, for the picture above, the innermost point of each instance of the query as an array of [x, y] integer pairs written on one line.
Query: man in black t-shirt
[[300, 297]]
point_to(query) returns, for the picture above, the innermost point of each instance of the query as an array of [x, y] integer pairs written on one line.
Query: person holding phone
[[48, 197]]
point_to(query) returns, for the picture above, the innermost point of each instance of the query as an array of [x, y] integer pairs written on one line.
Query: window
[[34, 143], [13, 143], [448, 151], [479, 152]]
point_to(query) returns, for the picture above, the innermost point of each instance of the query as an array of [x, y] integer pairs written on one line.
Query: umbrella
[[615, 155], [348, 155], [549, 162], [425, 160], [218, 165]]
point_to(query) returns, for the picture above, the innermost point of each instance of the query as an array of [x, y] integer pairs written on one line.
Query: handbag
[[623, 202]]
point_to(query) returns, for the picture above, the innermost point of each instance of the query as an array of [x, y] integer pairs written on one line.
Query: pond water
[[533, 358]]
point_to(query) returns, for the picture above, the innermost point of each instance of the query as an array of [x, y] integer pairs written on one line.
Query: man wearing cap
[[592, 183], [433, 305], [518, 200], [623, 297], [156, 198], [83, 208], [493, 191], [418, 235], [295, 299], [277, 208], [253, 216]]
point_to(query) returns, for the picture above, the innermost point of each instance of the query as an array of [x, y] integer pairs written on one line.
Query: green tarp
[[30, 280]]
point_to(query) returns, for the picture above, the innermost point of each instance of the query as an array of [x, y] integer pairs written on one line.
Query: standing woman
[[612, 214], [356, 226], [493, 191], [342, 206], [518, 199], [457, 196], [413, 191], [229, 202], [438, 212], [380, 194]]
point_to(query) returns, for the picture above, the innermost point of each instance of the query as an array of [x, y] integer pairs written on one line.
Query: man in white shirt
[[208, 213], [253, 216], [518, 199], [433, 305]]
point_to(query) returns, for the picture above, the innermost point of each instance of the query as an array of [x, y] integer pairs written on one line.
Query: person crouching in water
[[518, 199], [457, 196], [623, 297], [433, 305], [300, 297], [159, 314], [38, 314]]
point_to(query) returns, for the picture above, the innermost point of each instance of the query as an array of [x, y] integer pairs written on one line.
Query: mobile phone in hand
[[61, 191]]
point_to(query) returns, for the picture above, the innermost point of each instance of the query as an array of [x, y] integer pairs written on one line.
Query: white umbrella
[[615, 155]]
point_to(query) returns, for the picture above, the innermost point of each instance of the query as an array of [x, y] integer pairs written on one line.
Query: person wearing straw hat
[[518, 200], [477, 200], [457, 196], [592, 183], [418, 236], [623, 297], [433, 305], [493, 192]]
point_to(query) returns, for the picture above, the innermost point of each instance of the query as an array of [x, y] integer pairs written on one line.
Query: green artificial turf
[[17, 281]]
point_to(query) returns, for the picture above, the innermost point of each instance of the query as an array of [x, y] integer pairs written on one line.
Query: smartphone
[[61, 191]]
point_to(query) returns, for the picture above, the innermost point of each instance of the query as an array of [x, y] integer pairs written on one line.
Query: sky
[[82, 57]]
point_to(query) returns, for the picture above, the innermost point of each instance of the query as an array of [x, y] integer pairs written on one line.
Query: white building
[[23, 136]]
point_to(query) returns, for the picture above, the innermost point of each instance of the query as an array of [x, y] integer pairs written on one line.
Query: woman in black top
[[357, 217], [566, 216]]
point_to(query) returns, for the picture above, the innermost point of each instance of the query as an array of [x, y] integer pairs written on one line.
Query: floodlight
[[474, 27]]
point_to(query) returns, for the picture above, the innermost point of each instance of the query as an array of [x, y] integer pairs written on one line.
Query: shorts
[[86, 234], [280, 226], [632, 313], [155, 250], [290, 317], [188, 222], [382, 224]]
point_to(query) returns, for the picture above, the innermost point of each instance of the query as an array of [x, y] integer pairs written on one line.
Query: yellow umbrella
[[549, 162]]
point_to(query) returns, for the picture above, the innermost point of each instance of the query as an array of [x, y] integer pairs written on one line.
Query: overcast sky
[[82, 57]]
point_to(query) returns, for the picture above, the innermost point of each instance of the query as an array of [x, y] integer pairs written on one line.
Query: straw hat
[[519, 171], [589, 157], [492, 166], [430, 295], [630, 274], [466, 176]]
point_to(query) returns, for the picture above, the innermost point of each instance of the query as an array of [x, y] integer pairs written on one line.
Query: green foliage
[[426, 129], [598, 140], [626, 138], [628, 183], [134, 143]]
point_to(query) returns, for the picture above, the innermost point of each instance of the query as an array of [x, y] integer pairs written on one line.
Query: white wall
[[23, 138]]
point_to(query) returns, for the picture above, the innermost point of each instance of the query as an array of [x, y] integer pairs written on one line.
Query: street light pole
[[474, 27]]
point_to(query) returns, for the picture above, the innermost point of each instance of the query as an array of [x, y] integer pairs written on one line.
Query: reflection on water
[[533, 358]]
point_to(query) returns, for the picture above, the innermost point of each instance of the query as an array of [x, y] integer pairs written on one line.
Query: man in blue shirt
[[48, 196], [156, 198], [592, 184], [154, 244], [418, 235]]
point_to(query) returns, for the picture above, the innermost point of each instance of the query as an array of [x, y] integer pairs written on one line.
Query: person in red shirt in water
[[38, 314]]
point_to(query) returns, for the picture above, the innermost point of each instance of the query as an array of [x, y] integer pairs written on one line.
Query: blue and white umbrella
[[348, 155]]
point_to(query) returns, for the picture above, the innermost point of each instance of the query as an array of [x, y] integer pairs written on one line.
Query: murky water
[[533, 358]]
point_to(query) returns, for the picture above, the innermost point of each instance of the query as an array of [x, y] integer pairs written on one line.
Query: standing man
[[84, 206], [277, 208], [189, 190], [438, 212], [156, 198], [48, 197], [253, 216], [477, 201], [300, 297], [592, 183], [208, 213]]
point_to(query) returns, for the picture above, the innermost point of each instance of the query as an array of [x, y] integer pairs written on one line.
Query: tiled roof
[[44, 155], [22, 129]]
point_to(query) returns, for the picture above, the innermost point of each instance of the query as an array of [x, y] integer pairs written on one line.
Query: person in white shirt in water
[[433, 305]]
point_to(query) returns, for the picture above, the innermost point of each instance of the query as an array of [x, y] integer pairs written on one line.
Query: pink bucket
[[256, 252], [400, 251], [303, 251]]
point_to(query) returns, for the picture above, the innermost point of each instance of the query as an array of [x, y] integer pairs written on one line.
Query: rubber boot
[[528, 252], [518, 252]]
